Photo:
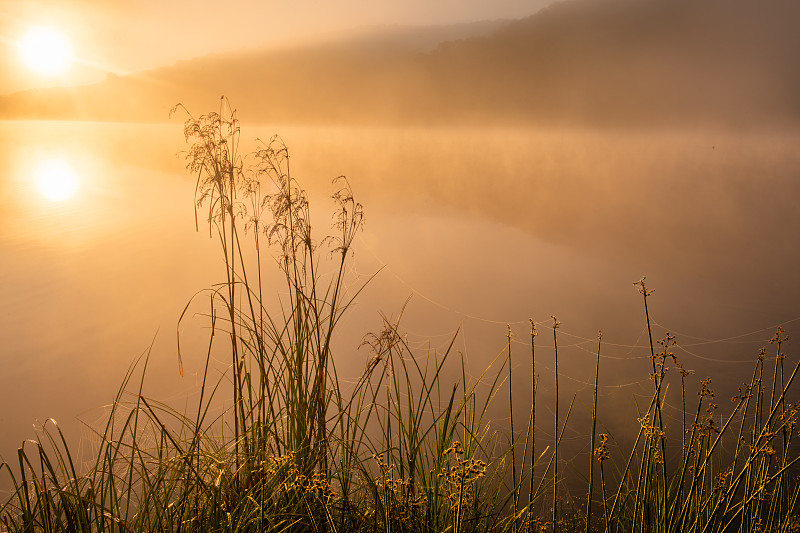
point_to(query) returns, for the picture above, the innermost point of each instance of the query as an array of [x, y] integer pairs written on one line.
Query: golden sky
[[126, 36]]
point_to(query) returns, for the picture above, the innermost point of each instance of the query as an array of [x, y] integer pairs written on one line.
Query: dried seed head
[[601, 452]]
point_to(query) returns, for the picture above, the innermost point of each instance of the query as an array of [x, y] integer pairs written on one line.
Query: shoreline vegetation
[[401, 448]]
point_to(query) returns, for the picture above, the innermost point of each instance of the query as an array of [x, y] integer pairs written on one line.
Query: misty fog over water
[[480, 227]]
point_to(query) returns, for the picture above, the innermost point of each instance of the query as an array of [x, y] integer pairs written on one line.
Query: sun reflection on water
[[56, 179]]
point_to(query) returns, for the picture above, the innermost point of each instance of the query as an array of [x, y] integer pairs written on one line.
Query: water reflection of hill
[[616, 62]]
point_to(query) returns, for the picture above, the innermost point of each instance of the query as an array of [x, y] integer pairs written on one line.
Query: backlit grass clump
[[281, 443]]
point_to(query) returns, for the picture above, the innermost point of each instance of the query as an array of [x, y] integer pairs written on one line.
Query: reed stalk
[[515, 487], [556, 325], [594, 430], [532, 424]]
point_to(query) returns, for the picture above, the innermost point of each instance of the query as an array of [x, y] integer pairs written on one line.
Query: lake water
[[480, 227]]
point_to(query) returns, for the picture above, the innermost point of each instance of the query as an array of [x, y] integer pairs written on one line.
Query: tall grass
[[279, 442]]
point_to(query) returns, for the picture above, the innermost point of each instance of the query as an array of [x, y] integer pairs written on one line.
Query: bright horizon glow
[[45, 50], [56, 180]]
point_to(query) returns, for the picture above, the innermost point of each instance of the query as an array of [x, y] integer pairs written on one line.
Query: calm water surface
[[481, 228]]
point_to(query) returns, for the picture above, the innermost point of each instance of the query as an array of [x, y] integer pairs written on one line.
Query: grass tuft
[[402, 449]]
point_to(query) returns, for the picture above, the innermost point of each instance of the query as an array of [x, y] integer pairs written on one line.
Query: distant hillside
[[613, 62]]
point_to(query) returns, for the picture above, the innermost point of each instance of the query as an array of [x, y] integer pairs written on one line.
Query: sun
[[56, 180], [45, 50]]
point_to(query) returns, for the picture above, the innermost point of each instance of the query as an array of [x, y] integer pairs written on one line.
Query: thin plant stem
[[556, 325], [512, 442], [594, 429]]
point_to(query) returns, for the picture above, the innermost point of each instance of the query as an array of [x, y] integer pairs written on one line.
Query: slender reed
[[515, 487], [556, 325], [594, 429], [532, 431]]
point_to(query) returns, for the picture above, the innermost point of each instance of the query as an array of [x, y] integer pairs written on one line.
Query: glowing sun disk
[[45, 50]]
